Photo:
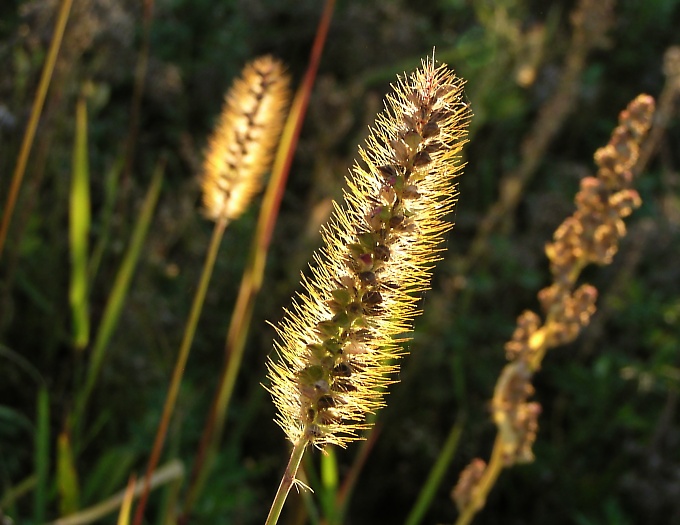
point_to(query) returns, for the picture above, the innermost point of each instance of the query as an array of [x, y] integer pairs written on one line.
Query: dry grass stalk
[[242, 145], [590, 235]]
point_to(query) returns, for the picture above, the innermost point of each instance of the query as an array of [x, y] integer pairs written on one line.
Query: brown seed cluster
[[590, 235], [241, 148], [340, 341], [469, 478], [516, 417]]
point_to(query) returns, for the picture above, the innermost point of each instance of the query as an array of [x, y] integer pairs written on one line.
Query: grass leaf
[[79, 229], [121, 285], [67, 477], [42, 455]]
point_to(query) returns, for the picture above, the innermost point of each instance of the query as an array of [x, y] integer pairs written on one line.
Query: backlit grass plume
[[241, 148], [339, 341]]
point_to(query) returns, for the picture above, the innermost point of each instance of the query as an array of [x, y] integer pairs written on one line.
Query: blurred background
[[546, 81]]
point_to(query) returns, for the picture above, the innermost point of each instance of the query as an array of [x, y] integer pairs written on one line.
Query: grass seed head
[[242, 145], [338, 343]]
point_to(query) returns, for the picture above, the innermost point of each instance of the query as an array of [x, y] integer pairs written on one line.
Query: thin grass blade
[[79, 230], [120, 289], [429, 490], [36, 110], [111, 185], [173, 471], [42, 455], [67, 477], [329, 484]]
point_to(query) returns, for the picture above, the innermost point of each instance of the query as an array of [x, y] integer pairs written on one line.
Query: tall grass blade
[[36, 110], [175, 381], [111, 184], [79, 230], [67, 477], [121, 285], [329, 485], [42, 455], [434, 480], [111, 470]]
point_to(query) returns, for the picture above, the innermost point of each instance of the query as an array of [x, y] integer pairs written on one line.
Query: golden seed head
[[242, 146], [339, 341]]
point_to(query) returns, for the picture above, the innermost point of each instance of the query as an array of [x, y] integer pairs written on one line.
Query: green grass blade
[[329, 484], [79, 230], [42, 455], [111, 184], [429, 490], [67, 477], [114, 304], [107, 474]]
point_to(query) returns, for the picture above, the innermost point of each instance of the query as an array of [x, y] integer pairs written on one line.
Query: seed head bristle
[[242, 145], [339, 341]]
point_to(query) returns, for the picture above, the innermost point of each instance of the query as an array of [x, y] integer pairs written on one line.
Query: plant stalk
[[180, 364], [286, 482], [36, 110]]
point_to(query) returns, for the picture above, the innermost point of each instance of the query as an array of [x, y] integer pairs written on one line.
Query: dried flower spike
[[340, 339], [241, 147], [590, 235]]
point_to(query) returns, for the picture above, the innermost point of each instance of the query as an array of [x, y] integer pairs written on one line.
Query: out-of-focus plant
[[590, 236]]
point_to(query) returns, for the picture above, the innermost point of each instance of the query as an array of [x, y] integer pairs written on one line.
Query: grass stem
[[180, 364], [36, 111], [286, 482]]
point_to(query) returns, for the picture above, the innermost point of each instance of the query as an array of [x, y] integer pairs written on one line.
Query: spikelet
[[241, 147], [338, 342]]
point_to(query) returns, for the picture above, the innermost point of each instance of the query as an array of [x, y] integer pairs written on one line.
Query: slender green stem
[[429, 490], [36, 110], [180, 364], [286, 482], [42, 454], [116, 300]]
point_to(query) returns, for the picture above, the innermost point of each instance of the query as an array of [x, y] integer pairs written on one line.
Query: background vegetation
[[608, 446]]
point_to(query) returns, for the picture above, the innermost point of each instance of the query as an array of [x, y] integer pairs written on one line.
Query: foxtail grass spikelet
[[242, 145], [339, 341]]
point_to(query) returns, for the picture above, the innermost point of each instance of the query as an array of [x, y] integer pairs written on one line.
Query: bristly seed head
[[339, 342], [242, 145]]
